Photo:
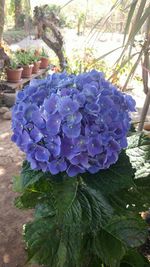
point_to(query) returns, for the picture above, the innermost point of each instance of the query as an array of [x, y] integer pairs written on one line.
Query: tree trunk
[[2, 5], [57, 51], [18, 11], [55, 42], [53, 38]]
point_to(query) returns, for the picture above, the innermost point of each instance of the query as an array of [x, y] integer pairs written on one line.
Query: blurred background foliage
[[90, 23], [89, 19]]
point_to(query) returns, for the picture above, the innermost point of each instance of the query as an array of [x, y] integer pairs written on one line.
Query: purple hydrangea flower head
[[72, 124]]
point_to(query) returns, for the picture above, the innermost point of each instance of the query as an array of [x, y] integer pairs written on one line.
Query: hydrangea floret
[[71, 123]]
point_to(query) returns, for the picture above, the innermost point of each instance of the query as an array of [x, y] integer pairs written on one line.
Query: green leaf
[[42, 238], [36, 194], [96, 211], [138, 150], [134, 259], [105, 55], [122, 64], [117, 177], [140, 18], [126, 202], [72, 232], [27, 177], [131, 231], [129, 18], [62, 254], [95, 262], [17, 184], [27, 201], [137, 22], [64, 193], [131, 73], [44, 210], [110, 249]]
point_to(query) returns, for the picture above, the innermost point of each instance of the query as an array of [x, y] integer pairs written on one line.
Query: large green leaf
[[134, 259], [39, 193], [128, 202], [42, 238], [27, 177], [131, 231], [64, 193], [96, 210], [72, 233], [62, 254], [139, 151], [110, 249], [117, 177]]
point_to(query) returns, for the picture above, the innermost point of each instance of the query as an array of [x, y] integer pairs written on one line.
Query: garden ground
[[12, 252]]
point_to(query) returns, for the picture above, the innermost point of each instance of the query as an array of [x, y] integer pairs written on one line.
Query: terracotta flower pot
[[36, 67], [44, 62], [27, 71], [147, 126], [56, 69], [14, 75]]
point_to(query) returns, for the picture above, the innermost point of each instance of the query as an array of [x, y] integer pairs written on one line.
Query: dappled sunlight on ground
[[4, 135], [9, 153], [2, 171]]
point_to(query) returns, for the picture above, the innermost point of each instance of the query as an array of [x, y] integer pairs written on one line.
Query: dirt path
[[12, 252]]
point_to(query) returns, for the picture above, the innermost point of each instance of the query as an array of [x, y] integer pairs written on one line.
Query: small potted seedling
[[36, 62], [14, 71], [44, 59], [24, 58]]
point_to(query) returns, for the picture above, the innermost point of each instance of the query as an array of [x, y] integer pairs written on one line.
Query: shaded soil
[[12, 248]]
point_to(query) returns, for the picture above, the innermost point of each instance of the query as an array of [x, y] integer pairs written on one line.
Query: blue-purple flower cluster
[[71, 123]]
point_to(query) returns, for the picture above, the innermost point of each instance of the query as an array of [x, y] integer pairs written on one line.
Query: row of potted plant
[[24, 63]]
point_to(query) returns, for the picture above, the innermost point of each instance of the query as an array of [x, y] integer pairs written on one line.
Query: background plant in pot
[[14, 70], [35, 57], [24, 58], [86, 180], [44, 59]]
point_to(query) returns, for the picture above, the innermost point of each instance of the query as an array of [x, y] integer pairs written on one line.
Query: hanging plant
[[80, 176]]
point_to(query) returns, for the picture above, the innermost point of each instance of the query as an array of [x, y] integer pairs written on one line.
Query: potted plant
[[44, 59], [24, 58], [14, 71], [36, 62]]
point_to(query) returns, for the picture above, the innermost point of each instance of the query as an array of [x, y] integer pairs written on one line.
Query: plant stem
[[145, 68], [144, 111]]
